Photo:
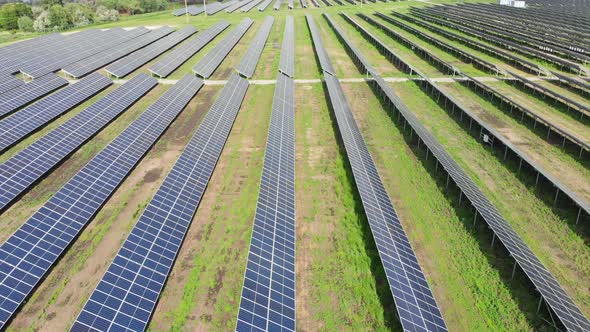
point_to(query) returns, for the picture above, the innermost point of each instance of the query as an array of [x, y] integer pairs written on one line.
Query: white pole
[[186, 10]]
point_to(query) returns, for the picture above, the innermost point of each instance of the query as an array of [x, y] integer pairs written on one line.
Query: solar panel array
[[287, 60], [9, 82], [213, 59], [192, 10], [84, 48], [291, 4], [102, 59], [137, 59], [416, 306], [21, 124], [24, 94], [216, 7], [31, 252], [248, 63], [268, 294], [325, 62], [566, 310], [237, 5], [356, 52], [29, 165], [176, 58], [26, 48], [251, 5], [45, 52], [277, 4], [264, 5], [303, 3], [414, 301], [127, 293]]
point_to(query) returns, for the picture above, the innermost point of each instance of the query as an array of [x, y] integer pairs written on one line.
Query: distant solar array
[[248, 63], [176, 58], [25, 168], [24, 94], [29, 254], [251, 5], [137, 59], [9, 82], [85, 48], [127, 293], [287, 60], [237, 5], [215, 7], [277, 5], [21, 124], [213, 59], [99, 60]]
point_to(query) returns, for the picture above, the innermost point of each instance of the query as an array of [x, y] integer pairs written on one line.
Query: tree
[[50, 3], [104, 14], [58, 17], [129, 6], [10, 12], [25, 23], [79, 14], [42, 22]]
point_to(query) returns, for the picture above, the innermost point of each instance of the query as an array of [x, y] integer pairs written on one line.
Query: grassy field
[[340, 280]]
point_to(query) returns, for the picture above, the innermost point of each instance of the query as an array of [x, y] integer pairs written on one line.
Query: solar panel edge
[[6, 144], [179, 159], [215, 29], [291, 162], [254, 51]]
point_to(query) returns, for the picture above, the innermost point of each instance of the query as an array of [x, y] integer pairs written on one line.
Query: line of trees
[[56, 15]]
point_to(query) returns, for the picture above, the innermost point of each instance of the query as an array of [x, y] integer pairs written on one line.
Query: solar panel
[[264, 5], [237, 5], [250, 59], [216, 7], [358, 56], [24, 48], [9, 82], [137, 59], [319, 45], [287, 61], [195, 10], [213, 59], [251, 5], [24, 94], [277, 5], [176, 58], [81, 50], [127, 294], [29, 165], [303, 3], [33, 249], [416, 306], [21, 124], [102, 59], [268, 294], [291, 4]]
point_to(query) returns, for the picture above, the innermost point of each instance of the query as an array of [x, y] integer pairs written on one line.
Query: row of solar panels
[[268, 294], [447, 68], [74, 205], [561, 304], [247, 5], [416, 306]]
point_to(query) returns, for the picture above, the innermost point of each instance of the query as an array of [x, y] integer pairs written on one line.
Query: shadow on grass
[[381, 284]]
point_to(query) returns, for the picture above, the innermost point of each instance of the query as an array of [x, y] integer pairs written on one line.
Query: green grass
[[337, 265]]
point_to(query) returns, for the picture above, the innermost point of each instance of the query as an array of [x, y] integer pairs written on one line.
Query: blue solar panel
[[24, 94], [268, 295], [21, 124], [29, 165], [127, 293], [249, 61], [35, 247]]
